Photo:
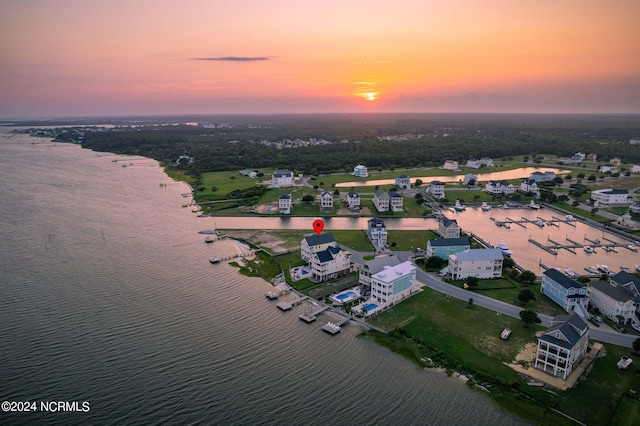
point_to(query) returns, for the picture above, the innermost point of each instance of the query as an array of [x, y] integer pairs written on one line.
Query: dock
[[285, 306], [335, 327], [548, 249], [312, 316]]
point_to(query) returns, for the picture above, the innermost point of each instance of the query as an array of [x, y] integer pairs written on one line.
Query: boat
[[534, 206], [638, 268], [214, 260], [570, 217], [504, 248], [588, 249], [207, 231], [591, 269], [632, 247], [540, 223], [603, 268], [459, 207], [607, 248], [485, 207], [570, 273], [499, 223], [506, 225], [208, 240]]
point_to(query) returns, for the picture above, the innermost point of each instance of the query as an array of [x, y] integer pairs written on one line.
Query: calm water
[[106, 296]]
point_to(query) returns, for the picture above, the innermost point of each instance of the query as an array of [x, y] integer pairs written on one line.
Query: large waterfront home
[[450, 165], [326, 201], [501, 187], [395, 201], [443, 247], [372, 267], [610, 197], [381, 201], [529, 186], [473, 163], [284, 204], [612, 300], [353, 201], [393, 283], [448, 228], [360, 171], [314, 243], [629, 281], [436, 189], [403, 182], [486, 161], [377, 232], [282, 178], [608, 168], [479, 263], [562, 346], [333, 262], [569, 294]]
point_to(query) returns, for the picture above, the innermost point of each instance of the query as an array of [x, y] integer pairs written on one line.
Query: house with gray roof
[[479, 263], [284, 204], [314, 243], [282, 178], [403, 182], [562, 346], [612, 300], [377, 232], [569, 294], [627, 280], [443, 247], [448, 228], [333, 262], [372, 267]]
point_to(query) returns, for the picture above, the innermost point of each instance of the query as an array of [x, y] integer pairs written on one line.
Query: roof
[[571, 329], [529, 182], [394, 194], [389, 273], [625, 278], [403, 177], [285, 196], [616, 292], [352, 194], [562, 279], [478, 254], [376, 265], [379, 193], [328, 254], [314, 240], [448, 242], [375, 222], [448, 222], [436, 182], [282, 173], [325, 193]]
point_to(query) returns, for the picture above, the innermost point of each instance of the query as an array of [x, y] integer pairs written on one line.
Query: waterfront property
[[314, 243], [403, 182], [360, 171], [353, 201], [393, 283], [450, 165], [479, 263], [569, 294], [372, 267], [381, 201], [436, 189], [443, 247], [612, 300], [395, 201], [610, 197], [486, 161], [473, 163], [282, 178], [562, 346], [326, 201], [529, 186], [502, 187], [377, 232], [628, 281], [448, 228], [330, 263], [608, 168], [284, 204]]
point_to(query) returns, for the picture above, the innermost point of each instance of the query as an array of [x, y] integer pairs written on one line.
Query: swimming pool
[[369, 307], [345, 295]]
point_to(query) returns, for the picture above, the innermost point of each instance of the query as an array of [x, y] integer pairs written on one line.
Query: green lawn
[[356, 239], [409, 240], [225, 182], [579, 212]]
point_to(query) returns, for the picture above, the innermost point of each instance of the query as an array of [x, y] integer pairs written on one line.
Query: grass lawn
[[413, 209], [469, 196], [225, 182], [356, 240], [409, 240], [579, 212]]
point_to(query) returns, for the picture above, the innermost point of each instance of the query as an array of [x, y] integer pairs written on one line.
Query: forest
[[218, 143]]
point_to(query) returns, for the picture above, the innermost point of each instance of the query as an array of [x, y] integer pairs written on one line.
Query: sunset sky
[[79, 57]]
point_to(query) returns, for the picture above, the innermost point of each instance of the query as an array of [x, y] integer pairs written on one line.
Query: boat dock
[[609, 246], [539, 221], [285, 306], [549, 249], [335, 327], [312, 316]]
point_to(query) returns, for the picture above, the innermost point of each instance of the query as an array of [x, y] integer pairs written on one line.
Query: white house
[[393, 283], [326, 201], [473, 163], [403, 182], [353, 200], [635, 207], [377, 232], [330, 263], [610, 197], [529, 185], [284, 204], [502, 187], [448, 228], [381, 201], [479, 263], [282, 178], [314, 243], [612, 300], [395, 201], [450, 165], [436, 188], [372, 267], [486, 161], [608, 168], [635, 168], [360, 171], [562, 346], [470, 177]]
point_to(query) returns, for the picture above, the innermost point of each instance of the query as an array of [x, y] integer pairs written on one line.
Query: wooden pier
[[335, 327], [312, 316], [610, 246], [549, 249], [285, 306], [564, 246]]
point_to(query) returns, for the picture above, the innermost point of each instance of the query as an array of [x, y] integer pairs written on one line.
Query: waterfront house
[[372, 267], [443, 247], [393, 283], [381, 201], [360, 171], [635, 207], [470, 178], [353, 201], [610, 197], [450, 165], [578, 158], [562, 346], [395, 201], [501, 187], [314, 243], [569, 294], [486, 161], [436, 189], [628, 281], [326, 201], [473, 163], [448, 228], [284, 204], [612, 300], [333, 262], [479, 263], [377, 232], [608, 168], [403, 182], [529, 186], [282, 178]]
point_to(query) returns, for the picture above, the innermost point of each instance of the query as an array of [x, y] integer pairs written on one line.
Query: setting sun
[[371, 96]]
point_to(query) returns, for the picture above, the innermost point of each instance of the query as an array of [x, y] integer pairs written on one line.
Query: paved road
[[431, 280]]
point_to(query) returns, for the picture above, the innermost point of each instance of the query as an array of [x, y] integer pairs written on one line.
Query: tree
[[527, 277], [529, 317], [526, 295], [472, 281], [308, 199], [336, 192], [636, 345], [434, 262], [417, 183]]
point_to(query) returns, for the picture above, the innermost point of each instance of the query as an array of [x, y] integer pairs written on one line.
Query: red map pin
[[318, 226]]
